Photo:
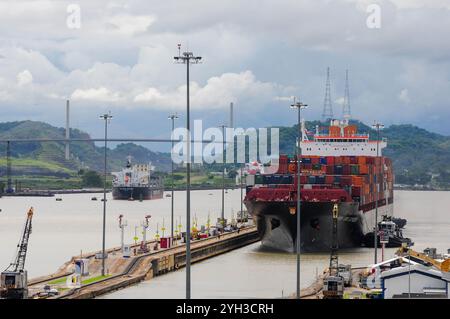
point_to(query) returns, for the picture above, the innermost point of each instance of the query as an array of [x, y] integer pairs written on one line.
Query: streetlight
[[299, 106], [377, 126], [172, 117], [187, 58], [242, 195], [408, 246], [223, 177], [107, 118]]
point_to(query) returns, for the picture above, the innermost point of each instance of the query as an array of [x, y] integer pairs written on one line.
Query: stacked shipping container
[[360, 176]]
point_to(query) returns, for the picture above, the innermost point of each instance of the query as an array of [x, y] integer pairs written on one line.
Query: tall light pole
[[107, 118], [223, 178], [172, 117], [377, 126], [187, 58], [242, 194], [299, 106]]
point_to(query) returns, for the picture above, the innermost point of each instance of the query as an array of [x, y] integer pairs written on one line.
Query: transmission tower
[[346, 111], [327, 108]]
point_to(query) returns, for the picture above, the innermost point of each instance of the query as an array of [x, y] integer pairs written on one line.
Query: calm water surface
[[62, 229]]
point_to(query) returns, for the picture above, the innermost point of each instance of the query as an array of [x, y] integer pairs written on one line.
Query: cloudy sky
[[255, 54]]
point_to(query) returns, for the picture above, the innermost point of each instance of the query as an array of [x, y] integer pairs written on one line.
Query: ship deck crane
[[13, 283]]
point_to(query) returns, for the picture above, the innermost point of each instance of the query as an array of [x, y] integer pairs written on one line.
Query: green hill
[[420, 157], [37, 160]]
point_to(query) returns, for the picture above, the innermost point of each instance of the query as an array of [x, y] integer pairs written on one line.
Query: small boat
[[94, 198]]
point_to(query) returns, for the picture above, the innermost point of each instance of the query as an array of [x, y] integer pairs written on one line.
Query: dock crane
[[333, 285], [13, 281]]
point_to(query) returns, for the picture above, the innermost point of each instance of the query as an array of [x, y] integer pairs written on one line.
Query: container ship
[[338, 166], [135, 181]]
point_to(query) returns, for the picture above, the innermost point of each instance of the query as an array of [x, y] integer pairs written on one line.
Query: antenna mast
[[327, 108], [346, 111]]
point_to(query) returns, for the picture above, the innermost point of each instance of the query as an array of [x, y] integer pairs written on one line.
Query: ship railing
[[341, 136]]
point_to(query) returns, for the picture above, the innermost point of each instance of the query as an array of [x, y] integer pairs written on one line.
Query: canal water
[[65, 228]]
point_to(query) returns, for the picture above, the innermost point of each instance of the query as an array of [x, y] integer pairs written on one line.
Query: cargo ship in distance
[[136, 181], [338, 166]]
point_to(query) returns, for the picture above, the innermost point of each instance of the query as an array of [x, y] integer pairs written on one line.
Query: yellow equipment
[[443, 266]]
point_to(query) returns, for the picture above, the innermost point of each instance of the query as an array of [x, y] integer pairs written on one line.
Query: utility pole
[[223, 178], [172, 117], [299, 106], [377, 126], [67, 151], [242, 193], [107, 118], [9, 188], [188, 58]]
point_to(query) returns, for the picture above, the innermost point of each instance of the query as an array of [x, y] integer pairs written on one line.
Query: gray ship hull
[[277, 227]]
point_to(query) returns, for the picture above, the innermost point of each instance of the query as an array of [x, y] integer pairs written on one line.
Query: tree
[[91, 179]]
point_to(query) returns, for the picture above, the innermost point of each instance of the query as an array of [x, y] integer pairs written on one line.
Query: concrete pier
[[314, 291], [123, 272]]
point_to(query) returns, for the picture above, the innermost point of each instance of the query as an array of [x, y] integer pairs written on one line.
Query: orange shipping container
[[335, 131], [357, 180], [350, 130], [361, 160], [363, 169]]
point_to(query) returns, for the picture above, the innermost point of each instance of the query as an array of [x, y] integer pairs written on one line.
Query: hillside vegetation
[[34, 162], [420, 158]]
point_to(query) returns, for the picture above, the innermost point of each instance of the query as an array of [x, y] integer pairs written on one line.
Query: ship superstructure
[[135, 181]]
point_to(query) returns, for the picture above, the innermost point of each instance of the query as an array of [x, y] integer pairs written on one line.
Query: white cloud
[[101, 94], [123, 55], [340, 101], [126, 24], [284, 98], [404, 96], [24, 78], [216, 93]]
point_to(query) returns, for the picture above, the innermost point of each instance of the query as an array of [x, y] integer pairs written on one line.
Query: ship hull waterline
[[277, 227], [136, 193]]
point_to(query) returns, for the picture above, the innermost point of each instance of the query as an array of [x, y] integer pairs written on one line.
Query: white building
[[419, 280]]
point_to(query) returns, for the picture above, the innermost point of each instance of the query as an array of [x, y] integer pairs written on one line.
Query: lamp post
[[222, 221], [408, 246], [299, 106], [377, 126], [242, 193], [172, 117], [187, 58], [107, 118]]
